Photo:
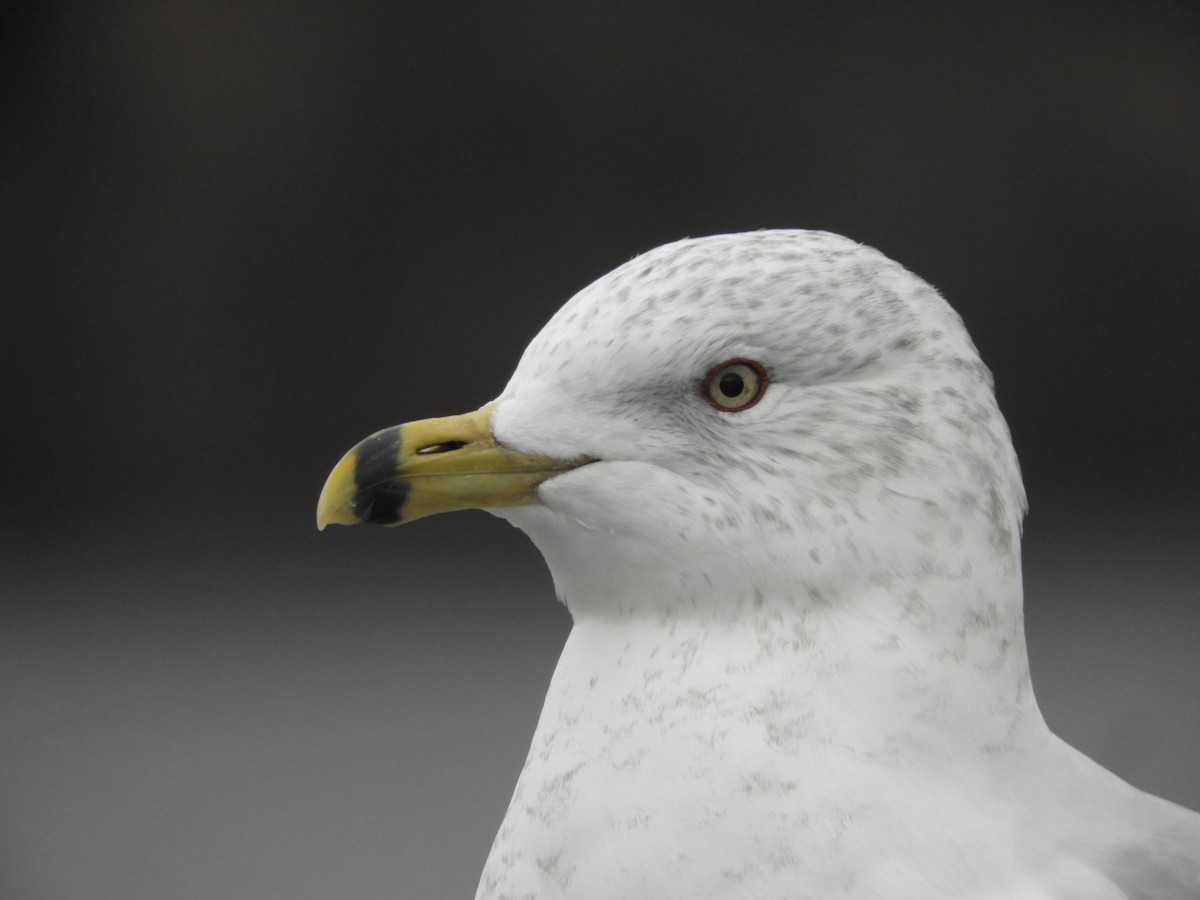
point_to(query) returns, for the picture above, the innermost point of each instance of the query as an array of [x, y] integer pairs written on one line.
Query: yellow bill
[[435, 465]]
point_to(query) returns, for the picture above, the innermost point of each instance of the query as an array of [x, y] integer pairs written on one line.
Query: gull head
[[724, 423]]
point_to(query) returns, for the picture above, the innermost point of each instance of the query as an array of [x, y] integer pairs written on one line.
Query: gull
[[770, 479]]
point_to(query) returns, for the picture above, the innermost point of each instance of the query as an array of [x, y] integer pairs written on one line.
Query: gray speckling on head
[[798, 666], [878, 402]]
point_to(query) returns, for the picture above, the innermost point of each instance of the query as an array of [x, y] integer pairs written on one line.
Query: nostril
[[443, 447]]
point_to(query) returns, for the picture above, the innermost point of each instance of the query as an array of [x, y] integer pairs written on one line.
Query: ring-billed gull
[[773, 487]]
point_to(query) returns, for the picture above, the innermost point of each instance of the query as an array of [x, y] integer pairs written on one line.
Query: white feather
[[798, 665]]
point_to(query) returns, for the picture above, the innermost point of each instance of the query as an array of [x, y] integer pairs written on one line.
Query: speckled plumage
[[798, 665]]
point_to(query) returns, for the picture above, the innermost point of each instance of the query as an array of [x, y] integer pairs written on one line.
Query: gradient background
[[238, 237]]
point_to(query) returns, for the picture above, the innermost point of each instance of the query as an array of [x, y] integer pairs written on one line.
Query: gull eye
[[734, 385]]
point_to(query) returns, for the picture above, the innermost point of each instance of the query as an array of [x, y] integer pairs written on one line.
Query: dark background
[[237, 237]]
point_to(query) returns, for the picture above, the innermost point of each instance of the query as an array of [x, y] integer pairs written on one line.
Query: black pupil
[[732, 384]]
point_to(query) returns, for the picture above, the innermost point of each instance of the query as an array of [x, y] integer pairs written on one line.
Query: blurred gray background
[[237, 237]]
